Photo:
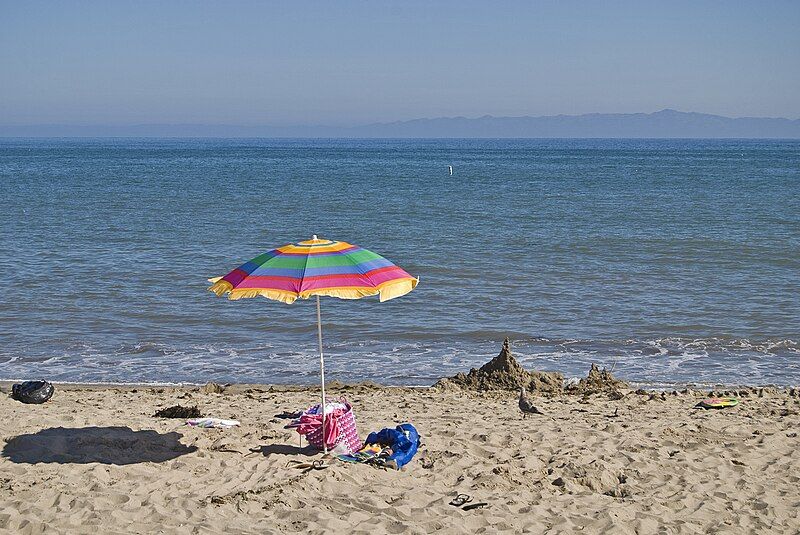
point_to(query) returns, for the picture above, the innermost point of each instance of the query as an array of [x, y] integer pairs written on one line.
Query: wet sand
[[95, 460]]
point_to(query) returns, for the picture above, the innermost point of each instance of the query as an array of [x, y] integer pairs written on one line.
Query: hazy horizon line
[[388, 122], [666, 123]]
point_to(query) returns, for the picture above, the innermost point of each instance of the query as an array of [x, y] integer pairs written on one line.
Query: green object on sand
[[718, 403]]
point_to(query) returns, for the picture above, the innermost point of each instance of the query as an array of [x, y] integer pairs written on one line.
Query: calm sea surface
[[672, 261]]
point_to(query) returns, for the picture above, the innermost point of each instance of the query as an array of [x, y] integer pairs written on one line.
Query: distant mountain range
[[662, 124]]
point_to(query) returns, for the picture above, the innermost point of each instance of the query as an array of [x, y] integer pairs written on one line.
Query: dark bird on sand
[[525, 404]]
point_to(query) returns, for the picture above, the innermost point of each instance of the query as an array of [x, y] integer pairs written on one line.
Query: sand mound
[[597, 382], [503, 373]]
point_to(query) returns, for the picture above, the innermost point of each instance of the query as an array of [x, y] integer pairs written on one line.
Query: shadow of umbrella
[[284, 449], [105, 445]]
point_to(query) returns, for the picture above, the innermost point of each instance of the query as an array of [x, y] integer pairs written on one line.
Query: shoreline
[[312, 392], [5, 385]]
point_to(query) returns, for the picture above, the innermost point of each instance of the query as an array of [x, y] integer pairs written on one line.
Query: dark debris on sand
[[504, 373], [178, 411]]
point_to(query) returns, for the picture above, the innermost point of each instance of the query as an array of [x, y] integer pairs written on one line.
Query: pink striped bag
[[340, 428]]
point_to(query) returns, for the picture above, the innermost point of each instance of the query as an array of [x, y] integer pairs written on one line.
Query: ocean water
[[672, 261]]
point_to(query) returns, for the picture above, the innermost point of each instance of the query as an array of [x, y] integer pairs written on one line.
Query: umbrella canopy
[[316, 267]]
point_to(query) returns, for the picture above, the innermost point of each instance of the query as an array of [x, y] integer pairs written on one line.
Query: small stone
[[619, 492], [212, 388], [559, 482]]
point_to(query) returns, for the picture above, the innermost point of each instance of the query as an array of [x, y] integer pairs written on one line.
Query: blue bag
[[404, 441]]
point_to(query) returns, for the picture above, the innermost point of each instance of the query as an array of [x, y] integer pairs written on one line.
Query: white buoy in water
[[450, 168]]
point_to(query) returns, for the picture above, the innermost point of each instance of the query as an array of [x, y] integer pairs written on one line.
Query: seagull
[[525, 404]]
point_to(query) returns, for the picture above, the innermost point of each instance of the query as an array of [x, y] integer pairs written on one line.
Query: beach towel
[[365, 454], [209, 423]]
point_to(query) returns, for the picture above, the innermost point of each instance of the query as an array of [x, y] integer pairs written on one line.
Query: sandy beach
[[94, 459]]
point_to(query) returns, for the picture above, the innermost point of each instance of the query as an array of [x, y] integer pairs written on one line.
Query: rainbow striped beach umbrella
[[316, 267]]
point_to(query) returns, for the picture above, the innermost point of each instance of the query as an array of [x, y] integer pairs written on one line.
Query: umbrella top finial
[[314, 237]]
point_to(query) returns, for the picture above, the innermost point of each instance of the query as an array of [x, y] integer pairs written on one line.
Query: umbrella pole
[[321, 373]]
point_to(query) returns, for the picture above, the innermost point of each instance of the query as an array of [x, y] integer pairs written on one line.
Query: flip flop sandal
[[461, 499], [318, 465], [306, 466], [474, 506]]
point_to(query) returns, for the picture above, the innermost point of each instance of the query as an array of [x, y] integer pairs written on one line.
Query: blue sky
[[343, 63]]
